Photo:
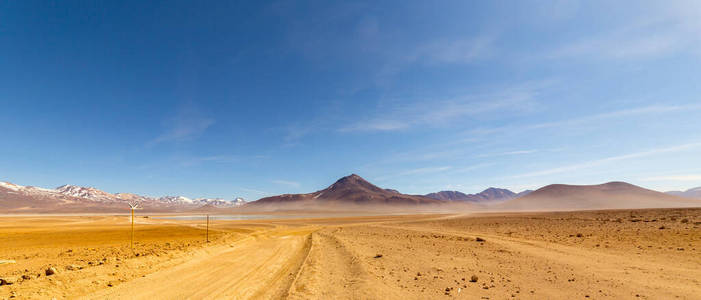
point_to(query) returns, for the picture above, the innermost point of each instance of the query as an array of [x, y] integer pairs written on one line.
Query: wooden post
[[133, 206], [207, 228], [131, 242]]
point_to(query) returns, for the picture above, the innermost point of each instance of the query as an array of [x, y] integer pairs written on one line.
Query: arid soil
[[626, 254]]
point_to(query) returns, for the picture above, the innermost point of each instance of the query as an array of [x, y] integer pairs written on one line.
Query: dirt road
[[260, 266]]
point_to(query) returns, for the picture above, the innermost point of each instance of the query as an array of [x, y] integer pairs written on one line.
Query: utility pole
[[133, 206]]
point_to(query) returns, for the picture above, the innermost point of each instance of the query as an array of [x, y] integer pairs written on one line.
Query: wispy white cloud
[[589, 119], [197, 160], [507, 153], [652, 109], [254, 191], [663, 30], [436, 113], [457, 50], [608, 160], [424, 170], [287, 183], [687, 177], [188, 123], [415, 171]]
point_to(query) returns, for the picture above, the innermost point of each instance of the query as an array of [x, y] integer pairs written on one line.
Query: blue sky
[[256, 99]]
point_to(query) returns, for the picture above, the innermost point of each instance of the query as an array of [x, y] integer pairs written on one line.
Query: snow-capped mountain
[[239, 201], [85, 192], [74, 198], [176, 200]]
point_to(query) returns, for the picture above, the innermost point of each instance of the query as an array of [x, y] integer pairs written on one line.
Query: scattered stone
[[479, 239], [579, 235], [26, 277], [685, 220], [73, 267], [378, 255], [50, 271], [661, 227], [473, 278], [7, 281]]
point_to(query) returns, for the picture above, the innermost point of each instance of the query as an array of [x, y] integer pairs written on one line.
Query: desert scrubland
[[617, 254]]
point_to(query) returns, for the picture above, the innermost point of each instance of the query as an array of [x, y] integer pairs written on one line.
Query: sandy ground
[[627, 254]]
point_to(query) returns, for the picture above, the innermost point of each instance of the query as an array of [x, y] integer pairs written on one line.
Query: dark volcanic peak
[[351, 189], [354, 182]]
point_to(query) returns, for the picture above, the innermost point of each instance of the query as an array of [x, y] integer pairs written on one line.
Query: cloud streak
[[670, 29], [437, 113], [688, 177], [188, 124], [288, 183], [607, 160]]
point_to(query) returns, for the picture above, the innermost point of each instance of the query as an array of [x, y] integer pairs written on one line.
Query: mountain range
[[352, 193], [71, 198], [490, 195], [690, 193]]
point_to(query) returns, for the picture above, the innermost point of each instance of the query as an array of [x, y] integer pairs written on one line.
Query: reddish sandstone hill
[[348, 192], [612, 195]]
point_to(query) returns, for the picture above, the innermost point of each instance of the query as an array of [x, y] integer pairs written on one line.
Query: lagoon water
[[231, 217]]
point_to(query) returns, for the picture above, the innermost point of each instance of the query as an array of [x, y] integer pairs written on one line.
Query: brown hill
[[348, 192], [612, 195]]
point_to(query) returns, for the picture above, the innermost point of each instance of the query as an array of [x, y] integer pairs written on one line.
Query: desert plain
[[610, 254]]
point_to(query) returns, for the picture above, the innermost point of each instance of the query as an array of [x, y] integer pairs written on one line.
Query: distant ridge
[[489, 195], [70, 199], [351, 190], [690, 193], [611, 195]]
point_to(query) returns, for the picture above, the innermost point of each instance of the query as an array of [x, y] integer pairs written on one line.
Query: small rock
[[479, 239], [26, 277], [73, 267], [473, 278], [50, 271], [7, 281], [378, 255]]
